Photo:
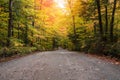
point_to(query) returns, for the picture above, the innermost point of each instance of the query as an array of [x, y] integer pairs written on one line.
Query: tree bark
[[18, 31], [106, 16], [73, 22], [12, 30], [41, 2], [112, 21], [9, 23], [74, 29], [95, 29], [26, 34], [99, 17]]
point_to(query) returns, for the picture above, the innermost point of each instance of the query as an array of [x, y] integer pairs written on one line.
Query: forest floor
[[59, 65]]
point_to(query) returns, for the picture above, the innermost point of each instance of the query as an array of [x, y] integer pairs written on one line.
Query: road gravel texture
[[59, 65]]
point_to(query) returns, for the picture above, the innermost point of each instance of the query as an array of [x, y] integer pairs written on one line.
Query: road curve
[[59, 65]]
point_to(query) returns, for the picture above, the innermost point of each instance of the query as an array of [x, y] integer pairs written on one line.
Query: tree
[[10, 22], [106, 16], [70, 5], [99, 17], [112, 21]]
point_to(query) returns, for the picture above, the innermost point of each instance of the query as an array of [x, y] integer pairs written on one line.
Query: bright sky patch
[[61, 3]]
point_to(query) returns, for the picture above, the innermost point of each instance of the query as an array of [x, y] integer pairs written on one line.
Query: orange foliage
[[48, 3]]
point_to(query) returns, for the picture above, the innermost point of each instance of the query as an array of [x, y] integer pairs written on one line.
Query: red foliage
[[48, 3]]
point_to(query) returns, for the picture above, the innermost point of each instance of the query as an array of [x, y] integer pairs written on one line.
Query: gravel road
[[59, 65]]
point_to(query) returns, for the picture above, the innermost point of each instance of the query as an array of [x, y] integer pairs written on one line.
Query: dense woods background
[[92, 26]]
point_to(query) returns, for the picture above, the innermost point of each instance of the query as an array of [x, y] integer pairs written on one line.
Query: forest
[[90, 26]]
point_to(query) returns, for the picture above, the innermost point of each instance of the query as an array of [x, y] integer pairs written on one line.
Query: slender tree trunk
[[18, 31], [41, 2], [99, 17], [95, 30], [33, 23], [112, 21], [74, 29], [32, 34], [26, 34], [9, 23], [54, 43], [73, 22], [106, 16], [12, 30]]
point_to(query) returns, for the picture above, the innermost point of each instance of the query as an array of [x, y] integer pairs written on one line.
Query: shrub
[[112, 50], [7, 52], [39, 47], [16, 42], [4, 51]]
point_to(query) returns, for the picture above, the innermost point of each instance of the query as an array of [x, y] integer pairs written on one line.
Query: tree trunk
[[74, 29], [54, 43], [95, 30], [99, 17], [106, 16], [26, 34], [73, 21], [9, 23], [12, 30], [41, 2], [18, 31], [112, 21]]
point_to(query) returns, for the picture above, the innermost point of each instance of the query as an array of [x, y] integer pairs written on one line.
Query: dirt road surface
[[59, 65]]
